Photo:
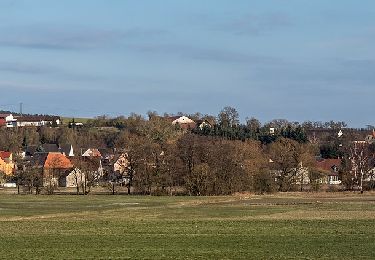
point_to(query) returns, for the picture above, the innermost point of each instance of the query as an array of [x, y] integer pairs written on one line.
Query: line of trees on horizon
[[224, 158]]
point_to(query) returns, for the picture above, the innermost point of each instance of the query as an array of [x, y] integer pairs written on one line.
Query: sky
[[270, 59]]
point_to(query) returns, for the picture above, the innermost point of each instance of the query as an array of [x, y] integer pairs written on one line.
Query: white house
[[75, 178], [8, 120], [37, 120], [182, 120]]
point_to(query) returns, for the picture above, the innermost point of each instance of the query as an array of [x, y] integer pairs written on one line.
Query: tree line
[[218, 159]]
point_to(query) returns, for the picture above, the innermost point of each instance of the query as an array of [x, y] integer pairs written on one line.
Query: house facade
[[23, 121], [183, 121], [75, 178], [55, 170], [7, 120], [330, 167], [6, 163], [121, 164]]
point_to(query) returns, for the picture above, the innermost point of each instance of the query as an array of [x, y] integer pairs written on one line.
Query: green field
[[287, 226], [66, 120]]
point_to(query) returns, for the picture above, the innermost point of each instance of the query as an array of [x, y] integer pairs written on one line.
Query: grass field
[[286, 226], [66, 120]]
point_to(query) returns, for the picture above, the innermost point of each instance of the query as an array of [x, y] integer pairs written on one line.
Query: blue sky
[[293, 59]]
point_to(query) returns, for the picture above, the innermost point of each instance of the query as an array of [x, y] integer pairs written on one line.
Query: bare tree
[[288, 158], [360, 159], [228, 117]]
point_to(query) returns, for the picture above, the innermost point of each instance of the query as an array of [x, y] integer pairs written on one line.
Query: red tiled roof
[[328, 164], [57, 161], [2, 122], [5, 155], [93, 152]]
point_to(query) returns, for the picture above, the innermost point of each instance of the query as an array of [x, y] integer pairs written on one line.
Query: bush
[[264, 183]]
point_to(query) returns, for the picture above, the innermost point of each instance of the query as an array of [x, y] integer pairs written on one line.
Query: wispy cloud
[[16, 67], [24, 87], [254, 24], [333, 77], [58, 38], [46, 70], [199, 53]]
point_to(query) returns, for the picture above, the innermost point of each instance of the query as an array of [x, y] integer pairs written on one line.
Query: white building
[[182, 120], [8, 120]]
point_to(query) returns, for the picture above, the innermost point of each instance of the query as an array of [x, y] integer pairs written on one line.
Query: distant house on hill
[[37, 120], [7, 120], [203, 124], [183, 121]]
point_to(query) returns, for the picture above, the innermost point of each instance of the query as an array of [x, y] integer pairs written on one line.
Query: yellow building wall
[[7, 168]]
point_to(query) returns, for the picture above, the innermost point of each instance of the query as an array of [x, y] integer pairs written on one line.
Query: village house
[[203, 124], [36, 120], [55, 169], [67, 150], [120, 169], [330, 168], [92, 152], [7, 120], [83, 167], [75, 178], [32, 150], [183, 121], [370, 139], [6, 163], [121, 164]]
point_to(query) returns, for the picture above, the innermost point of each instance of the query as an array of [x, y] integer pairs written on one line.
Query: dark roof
[[39, 159], [105, 151], [37, 118], [31, 150], [65, 149], [50, 148]]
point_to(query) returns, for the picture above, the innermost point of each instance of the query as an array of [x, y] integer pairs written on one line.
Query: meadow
[[281, 226]]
